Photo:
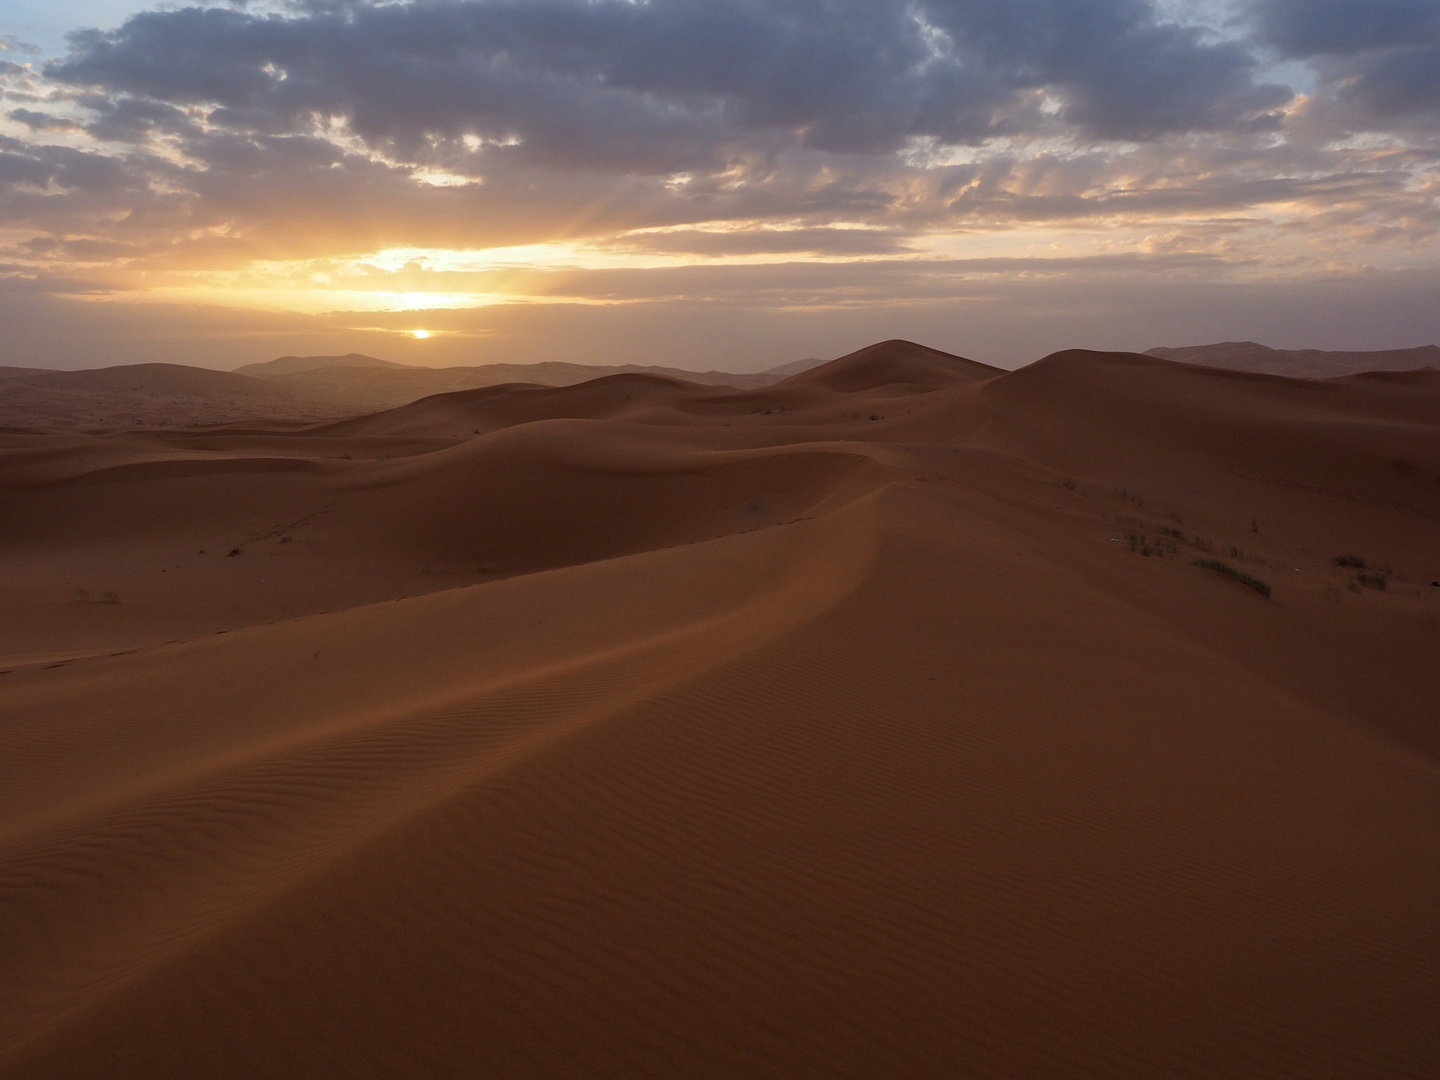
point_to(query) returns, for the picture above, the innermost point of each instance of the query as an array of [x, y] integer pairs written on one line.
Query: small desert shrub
[[1225, 568], [1375, 580], [1148, 546], [1350, 560], [1137, 542], [1203, 544], [233, 551], [1235, 552]]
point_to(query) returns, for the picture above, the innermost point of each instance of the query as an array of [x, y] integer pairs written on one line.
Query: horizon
[[1210, 355], [728, 187]]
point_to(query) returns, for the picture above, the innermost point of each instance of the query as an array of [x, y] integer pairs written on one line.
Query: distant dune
[[900, 718], [1300, 363], [294, 365], [150, 395], [363, 382], [295, 390]]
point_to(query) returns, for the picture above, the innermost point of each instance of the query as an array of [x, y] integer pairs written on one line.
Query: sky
[[713, 184]]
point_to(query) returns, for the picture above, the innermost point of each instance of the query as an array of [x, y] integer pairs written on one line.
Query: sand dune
[[149, 396], [893, 364], [363, 382], [877, 722], [289, 391], [1301, 363]]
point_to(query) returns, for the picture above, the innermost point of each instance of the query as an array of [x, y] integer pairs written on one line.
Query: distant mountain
[[1300, 363]]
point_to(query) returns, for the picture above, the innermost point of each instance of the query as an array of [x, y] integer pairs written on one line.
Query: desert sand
[[884, 721], [1301, 363]]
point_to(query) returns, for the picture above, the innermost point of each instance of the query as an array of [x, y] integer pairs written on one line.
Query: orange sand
[[647, 729]]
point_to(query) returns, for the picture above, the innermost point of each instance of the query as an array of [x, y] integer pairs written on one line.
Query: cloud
[[762, 241], [1121, 72], [207, 147], [674, 85], [1380, 59], [1308, 28], [38, 121]]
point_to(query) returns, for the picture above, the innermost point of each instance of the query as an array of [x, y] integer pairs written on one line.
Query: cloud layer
[[676, 84], [295, 144]]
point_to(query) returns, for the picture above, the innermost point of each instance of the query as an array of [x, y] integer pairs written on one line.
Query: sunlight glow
[[420, 335]]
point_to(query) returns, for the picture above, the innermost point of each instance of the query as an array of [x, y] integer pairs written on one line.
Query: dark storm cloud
[[677, 85], [1380, 57]]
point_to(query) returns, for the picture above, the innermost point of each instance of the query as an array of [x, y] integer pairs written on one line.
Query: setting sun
[[420, 335]]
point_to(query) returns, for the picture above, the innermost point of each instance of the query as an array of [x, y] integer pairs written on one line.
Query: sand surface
[[870, 724]]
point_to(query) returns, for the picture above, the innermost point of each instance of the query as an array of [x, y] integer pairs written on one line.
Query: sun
[[420, 335]]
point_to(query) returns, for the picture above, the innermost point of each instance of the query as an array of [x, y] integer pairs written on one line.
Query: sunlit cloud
[[473, 154]]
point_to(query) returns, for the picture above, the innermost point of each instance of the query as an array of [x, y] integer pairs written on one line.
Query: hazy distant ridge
[[297, 389], [292, 365], [366, 382], [1300, 363]]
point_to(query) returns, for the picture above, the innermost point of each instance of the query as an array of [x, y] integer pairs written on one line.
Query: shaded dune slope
[[662, 731], [493, 407], [136, 551]]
